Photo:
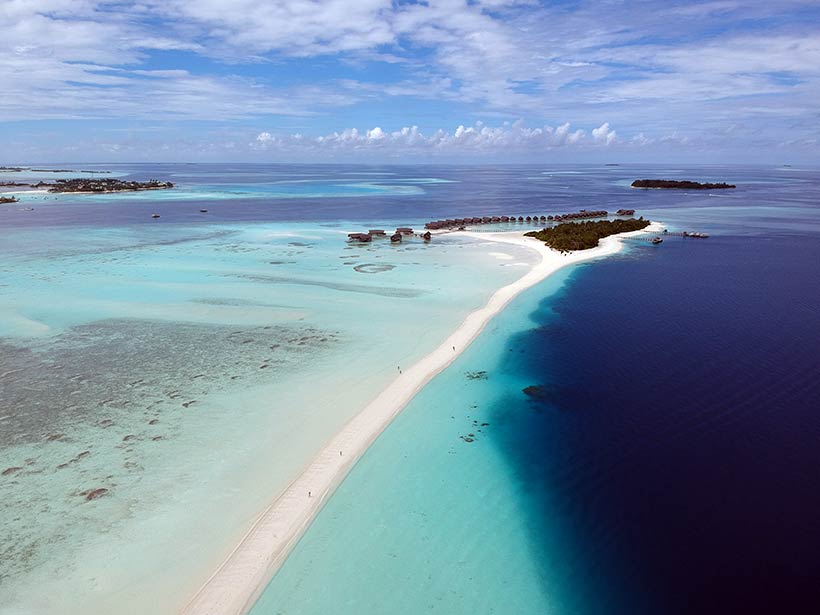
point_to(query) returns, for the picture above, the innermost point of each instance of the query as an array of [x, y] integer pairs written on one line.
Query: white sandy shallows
[[243, 575]]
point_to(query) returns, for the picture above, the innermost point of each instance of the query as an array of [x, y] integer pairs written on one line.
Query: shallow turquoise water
[[433, 522], [190, 370], [312, 188]]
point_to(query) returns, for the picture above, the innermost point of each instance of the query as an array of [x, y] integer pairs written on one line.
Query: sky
[[716, 81]]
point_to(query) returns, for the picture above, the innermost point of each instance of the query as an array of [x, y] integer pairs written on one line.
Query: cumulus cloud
[[603, 134], [472, 139]]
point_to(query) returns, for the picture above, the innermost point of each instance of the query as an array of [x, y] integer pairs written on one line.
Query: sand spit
[[244, 574]]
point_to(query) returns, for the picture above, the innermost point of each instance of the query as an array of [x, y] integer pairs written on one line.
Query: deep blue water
[[678, 425]]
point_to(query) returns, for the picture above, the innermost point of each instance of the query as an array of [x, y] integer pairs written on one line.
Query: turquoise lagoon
[[191, 371]]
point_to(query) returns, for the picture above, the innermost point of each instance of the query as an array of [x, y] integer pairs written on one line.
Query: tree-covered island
[[674, 184], [7, 199], [584, 235], [103, 185]]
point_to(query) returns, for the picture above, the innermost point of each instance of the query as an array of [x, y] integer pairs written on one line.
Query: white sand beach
[[237, 583]]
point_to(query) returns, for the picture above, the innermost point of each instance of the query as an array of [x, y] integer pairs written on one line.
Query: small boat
[[155, 215], [203, 211], [656, 240]]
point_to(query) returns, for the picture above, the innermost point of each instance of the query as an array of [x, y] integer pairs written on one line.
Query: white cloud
[[376, 134], [477, 138], [89, 59], [603, 134]]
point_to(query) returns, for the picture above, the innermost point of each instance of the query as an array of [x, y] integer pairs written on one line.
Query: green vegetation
[[584, 235], [679, 184], [104, 185]]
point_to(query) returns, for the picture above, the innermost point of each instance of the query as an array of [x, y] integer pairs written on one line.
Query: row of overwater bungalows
[[460, 222]]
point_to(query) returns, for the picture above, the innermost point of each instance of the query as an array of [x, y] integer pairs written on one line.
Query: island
[[103, 185], [571, 236], [7, 199], [674, 184], [21, 169]]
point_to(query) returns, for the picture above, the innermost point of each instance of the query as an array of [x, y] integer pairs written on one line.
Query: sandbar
[[244, 574]]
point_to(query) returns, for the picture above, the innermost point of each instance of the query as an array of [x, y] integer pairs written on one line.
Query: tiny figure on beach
[[340, 453], [454, 348], [308, 493], [399, 368]]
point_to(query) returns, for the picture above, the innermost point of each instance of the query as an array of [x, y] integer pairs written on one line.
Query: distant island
[[584, 235], [674, 184], [21, 169], [103, 185], [7, 199]]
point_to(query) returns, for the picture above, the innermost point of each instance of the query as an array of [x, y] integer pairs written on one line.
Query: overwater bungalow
[[625, 212], [550, 218], [405, 230], [520, 218], [360, 237], [395, 237], [505, 218], [528, 219], [427, 236], [376, 232]]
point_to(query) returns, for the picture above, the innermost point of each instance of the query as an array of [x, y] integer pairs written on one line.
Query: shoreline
[[243, 575]]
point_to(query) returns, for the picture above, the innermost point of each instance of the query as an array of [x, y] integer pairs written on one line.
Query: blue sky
[[442, 80]]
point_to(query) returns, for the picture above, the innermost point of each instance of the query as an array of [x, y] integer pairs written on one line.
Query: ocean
[[662, 458]]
